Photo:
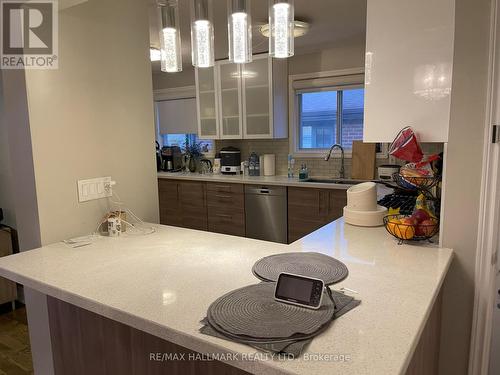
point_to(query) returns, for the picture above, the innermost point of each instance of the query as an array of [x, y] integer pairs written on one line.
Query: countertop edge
[[258, 180]]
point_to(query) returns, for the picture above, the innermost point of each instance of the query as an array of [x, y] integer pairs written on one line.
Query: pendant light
[[281, 25], [239, 25], [202, 33], [170, 38]]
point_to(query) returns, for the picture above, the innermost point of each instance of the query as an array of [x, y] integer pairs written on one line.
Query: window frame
[[294, 108]]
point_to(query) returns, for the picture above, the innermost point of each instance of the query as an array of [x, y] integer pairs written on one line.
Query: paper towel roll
[[269, 165]]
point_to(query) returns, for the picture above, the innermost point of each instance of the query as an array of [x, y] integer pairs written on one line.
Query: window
[[330, 116], [327, 108], [180, 140]]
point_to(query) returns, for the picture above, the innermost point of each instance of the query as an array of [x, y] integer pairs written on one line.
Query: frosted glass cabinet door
[[207, 104], [256, 78], [230, 101]]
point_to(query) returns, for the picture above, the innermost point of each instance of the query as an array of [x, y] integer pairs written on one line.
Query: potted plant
[[193, 151]]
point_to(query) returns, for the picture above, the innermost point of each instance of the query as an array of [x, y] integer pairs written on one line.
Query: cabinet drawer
[[226, 220], [223, 188], [235, 201]]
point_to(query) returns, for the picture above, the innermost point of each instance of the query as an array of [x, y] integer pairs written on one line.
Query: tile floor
[[15, 351]]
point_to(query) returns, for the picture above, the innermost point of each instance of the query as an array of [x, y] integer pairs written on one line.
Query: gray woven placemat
[[310, 264], [290, 346], [252, 311]]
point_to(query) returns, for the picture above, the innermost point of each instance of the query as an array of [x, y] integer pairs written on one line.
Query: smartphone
[[299, 290]]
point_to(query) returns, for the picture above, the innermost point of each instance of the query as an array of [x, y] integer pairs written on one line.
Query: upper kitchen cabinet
[[250, 100], [265, 107], [408, 75], [229, 94], [206, 102]]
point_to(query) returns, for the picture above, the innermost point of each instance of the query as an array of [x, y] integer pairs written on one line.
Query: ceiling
[[331, 22]]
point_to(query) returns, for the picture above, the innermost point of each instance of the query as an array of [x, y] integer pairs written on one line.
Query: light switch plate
[[95, 188]]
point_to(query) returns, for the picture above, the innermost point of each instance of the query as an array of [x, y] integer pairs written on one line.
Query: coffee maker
[[171, 158], [230, 160]]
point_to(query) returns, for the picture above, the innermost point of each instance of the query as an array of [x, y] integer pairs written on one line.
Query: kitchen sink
[[333, 181]]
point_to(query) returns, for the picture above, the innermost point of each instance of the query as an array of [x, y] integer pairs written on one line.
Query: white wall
[[349, 54], [462, 182], [94, 117], [344, 56]]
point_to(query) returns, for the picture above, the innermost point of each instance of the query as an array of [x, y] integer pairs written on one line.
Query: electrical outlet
[[95, 188]]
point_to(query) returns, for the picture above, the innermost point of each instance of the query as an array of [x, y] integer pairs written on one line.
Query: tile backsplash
[[316, 166]]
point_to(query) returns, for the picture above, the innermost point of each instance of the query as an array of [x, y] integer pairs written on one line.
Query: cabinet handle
[[224, 215], [222, 196], [223, 188]]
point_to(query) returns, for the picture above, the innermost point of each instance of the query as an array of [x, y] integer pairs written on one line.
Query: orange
[[404, 232]]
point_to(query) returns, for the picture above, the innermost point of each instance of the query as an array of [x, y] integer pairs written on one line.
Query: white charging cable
[[136, 229]]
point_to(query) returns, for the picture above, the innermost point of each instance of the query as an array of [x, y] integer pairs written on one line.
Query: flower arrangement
[[193, 149]]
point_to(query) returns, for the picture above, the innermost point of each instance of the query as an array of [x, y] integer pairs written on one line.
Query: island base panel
[[87, 343]]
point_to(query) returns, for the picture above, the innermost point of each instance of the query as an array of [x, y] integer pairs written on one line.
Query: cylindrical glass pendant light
[[281, 14], [202, 33], [239, 25], [170, 37]]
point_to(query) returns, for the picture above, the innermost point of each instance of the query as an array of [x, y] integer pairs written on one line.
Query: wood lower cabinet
[[226, 208], [220, 207], [192, 196], [170, 208], [183, 204], [310, 209]]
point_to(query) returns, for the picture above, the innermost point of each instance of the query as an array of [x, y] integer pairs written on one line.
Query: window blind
[[177, 116], [330, 83]]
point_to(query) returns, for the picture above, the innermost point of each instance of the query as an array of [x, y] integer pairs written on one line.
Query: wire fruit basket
[[405, 231], [416, 183]]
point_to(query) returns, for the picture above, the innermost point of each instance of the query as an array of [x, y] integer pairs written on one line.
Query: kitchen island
[[162, 284]]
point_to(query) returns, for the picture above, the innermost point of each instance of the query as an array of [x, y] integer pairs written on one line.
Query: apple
[[409, 221], [427, 227], [420, 215]]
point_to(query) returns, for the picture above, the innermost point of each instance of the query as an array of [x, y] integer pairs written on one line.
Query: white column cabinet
[[408, 72], [250, 100]]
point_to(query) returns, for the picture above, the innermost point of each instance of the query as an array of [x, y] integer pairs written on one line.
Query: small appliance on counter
[[362, 208], [386, 171], [158, 157], [230, 159], [171, 158]]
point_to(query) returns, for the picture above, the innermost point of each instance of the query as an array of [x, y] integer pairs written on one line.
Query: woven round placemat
[[316, 265], [251, 311]]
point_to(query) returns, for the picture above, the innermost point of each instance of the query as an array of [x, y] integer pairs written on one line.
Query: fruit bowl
[[407, 228]]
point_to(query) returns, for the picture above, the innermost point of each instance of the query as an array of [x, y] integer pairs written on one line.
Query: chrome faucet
[[327, 157]]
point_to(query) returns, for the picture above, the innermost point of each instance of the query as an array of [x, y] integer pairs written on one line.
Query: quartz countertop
[[163, 283]]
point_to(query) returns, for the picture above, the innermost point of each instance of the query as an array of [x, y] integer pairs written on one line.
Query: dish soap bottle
[[303, 173]]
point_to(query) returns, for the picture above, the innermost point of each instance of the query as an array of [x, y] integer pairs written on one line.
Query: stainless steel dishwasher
[[266, 213]]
